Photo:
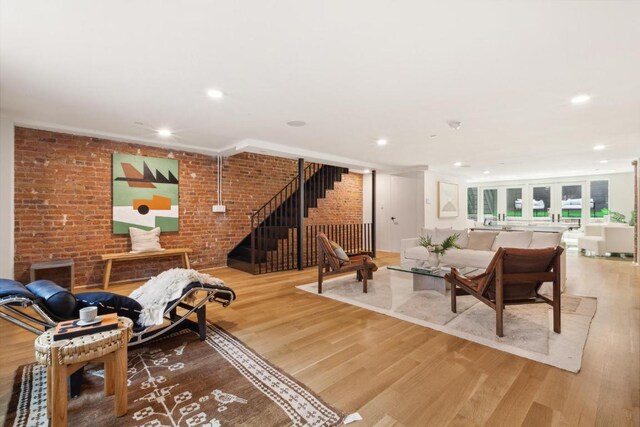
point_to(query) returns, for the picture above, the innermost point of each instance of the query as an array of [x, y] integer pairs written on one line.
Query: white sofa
[[606, 238], [537, 204], [575, 204], [410, 249]]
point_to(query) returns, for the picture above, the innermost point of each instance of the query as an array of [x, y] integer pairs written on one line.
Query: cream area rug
[[528, 329]]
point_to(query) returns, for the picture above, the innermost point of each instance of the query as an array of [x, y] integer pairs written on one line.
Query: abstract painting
[[447, 200], [145, 193]]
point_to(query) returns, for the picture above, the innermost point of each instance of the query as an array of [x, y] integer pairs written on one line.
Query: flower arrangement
[[440, 248]]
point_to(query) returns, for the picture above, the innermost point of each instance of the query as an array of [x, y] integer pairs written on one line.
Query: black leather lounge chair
[[40, 305]]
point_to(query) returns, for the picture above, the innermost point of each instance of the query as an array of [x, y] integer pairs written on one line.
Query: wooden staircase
[[272, 243]]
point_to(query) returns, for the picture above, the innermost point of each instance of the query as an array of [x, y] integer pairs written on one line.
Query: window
[[571, 201], [472, 203], [541, 201], [514, 202], [599, 203], [490, 203]]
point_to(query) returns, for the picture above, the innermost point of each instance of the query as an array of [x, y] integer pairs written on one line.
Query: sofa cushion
[[416, 253], [545, 240], [442, 233], [463, 238], [512, 239], [481, 240], [467, 258], [428, 232]]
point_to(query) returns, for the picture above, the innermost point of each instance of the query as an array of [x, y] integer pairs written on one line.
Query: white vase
[[433, 260]]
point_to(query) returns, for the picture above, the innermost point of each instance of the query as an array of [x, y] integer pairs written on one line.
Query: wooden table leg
[[107, 274], [120, 377], [59, 397], [185, 261], [49, 391], [109, 378]]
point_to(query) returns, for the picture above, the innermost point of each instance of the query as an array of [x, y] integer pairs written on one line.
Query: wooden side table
[[61, 263], [65, 357]]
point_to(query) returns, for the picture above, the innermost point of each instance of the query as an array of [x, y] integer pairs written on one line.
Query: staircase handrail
[[308, 168]]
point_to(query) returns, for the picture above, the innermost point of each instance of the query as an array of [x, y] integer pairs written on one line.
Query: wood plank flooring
[[399, 374]]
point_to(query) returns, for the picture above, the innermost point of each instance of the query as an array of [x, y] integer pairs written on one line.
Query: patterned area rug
[[528, 330], [181, 381]]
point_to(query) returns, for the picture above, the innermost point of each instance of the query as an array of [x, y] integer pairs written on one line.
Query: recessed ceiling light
[[165, 133], [215, 93], [381, 142], [367, 171], [486, 172], [599, 147], [580, 99], [296, 123], [457, 164], [604, 161], [454, 124]]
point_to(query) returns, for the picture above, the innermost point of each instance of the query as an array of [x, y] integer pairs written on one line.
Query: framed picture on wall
[[145, 193], [448, 201]]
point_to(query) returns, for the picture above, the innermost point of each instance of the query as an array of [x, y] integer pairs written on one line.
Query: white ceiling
[[355, 71]]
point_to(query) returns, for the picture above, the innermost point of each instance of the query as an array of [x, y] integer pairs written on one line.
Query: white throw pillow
[[512, 239], [145, 241], [463, 238], [428, 232], [545, 240], [442, 233]]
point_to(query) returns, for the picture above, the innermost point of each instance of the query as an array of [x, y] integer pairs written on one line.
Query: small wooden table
[[128, 256], [61, 263], [65, 357]]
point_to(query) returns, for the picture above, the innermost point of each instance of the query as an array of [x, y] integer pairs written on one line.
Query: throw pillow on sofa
[[463, 238], [145, 241], [481, 240], [512, 239], [442, 233], [545, 240]]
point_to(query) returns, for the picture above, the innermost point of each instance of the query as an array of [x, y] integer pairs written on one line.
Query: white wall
[[620, 193], [430, 201], [7, 145], [387, 234]]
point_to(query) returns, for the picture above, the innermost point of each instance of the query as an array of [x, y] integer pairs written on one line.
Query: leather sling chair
[[41, 304], [514, 276]]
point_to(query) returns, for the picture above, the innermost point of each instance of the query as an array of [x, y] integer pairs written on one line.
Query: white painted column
[[7, 148]]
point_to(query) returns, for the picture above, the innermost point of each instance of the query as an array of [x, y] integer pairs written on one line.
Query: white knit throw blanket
[[167, 286]]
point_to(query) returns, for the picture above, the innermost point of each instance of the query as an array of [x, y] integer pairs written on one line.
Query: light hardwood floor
[[395, 373]]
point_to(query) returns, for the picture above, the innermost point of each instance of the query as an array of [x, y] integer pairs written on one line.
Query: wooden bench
[[128, 256]]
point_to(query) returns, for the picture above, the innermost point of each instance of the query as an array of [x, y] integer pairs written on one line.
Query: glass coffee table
[[429, 278]]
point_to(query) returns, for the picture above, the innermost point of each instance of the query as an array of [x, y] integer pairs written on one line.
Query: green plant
[[617, 217], [632, 221], [440, 248]]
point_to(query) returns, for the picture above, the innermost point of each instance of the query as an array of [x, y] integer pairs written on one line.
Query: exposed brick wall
[[63, 203], [345, 199]]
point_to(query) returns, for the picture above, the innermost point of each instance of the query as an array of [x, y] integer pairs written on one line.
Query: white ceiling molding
[[279, 150], [246, 145]]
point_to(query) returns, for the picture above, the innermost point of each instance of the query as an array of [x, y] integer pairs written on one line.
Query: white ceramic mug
[[88, 314]]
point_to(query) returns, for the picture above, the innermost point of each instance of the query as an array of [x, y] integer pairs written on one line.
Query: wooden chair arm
[[470, 281]]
